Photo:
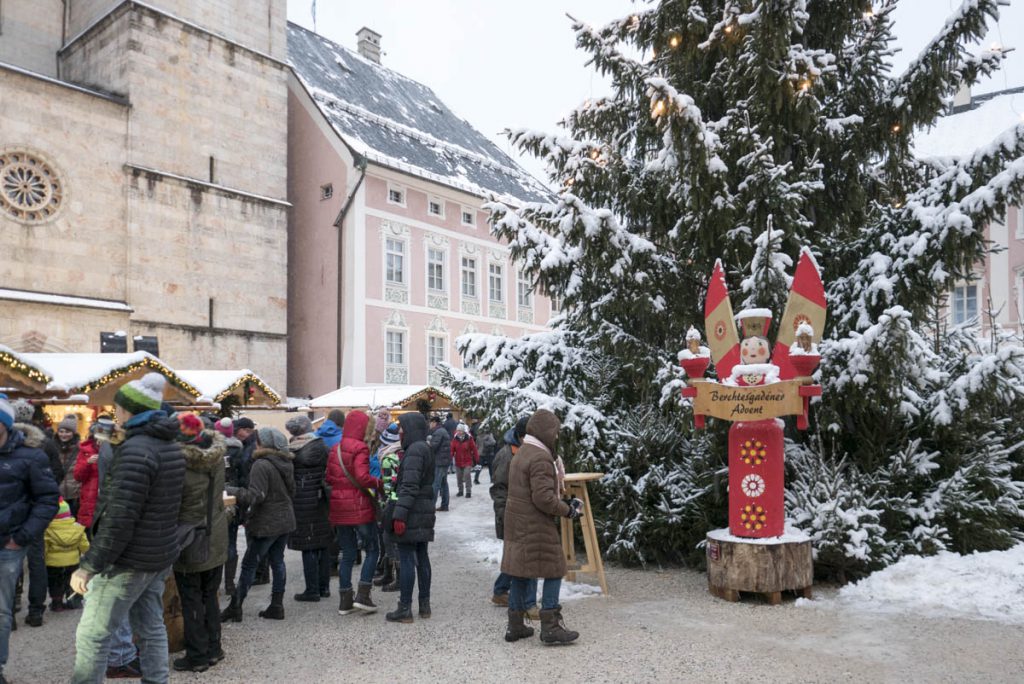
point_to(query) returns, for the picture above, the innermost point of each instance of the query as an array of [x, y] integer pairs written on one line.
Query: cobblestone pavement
[[656, 626]]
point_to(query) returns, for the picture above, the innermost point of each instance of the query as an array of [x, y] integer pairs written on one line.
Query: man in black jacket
[[135, 537], [440, 443], [28, 501]]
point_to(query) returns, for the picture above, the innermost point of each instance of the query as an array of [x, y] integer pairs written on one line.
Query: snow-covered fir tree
[[744, 130]]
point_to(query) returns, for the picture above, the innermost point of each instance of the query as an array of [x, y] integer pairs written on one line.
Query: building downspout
[[339, 223]]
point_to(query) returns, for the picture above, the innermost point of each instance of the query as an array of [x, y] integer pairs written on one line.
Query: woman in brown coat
[[532, 545]]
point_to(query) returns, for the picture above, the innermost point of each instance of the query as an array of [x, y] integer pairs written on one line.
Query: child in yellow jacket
[[65, 543]]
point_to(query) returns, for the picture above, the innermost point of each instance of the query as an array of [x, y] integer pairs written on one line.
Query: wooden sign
[[759, 402]]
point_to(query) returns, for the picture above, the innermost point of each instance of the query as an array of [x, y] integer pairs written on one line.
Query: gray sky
[[513, 63]]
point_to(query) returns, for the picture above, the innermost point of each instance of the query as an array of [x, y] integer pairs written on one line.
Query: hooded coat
[[533, 547], [311, 503], [88, 475], [499, 480], [203, 467], [330, 432], [415, 483], [28, 491], [70, 488], [464, 451], [351, 505], [65, 542], [268, 495], [136, 520], [440, 443]]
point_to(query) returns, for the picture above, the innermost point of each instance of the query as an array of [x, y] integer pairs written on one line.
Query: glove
[[399, 527], [575, 509]]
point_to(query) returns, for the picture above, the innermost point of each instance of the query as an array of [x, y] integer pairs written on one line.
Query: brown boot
[[516, 629], [552, 628]]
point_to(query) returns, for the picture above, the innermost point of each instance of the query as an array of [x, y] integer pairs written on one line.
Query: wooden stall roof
[[99, 376], [375, 396], [218, 385], [19, 374]]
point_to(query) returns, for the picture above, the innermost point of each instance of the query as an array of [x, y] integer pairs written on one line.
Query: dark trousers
[[256, 549], [201, 613], [37, 577], [316, 568], [58, 581], [414, 562]]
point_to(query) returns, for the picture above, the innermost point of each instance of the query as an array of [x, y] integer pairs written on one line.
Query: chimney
[[962, 99], [369, 44]]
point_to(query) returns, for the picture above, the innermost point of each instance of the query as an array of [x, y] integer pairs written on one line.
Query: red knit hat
[[189, 426]]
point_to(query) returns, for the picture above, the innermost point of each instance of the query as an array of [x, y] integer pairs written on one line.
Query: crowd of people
[[109, 518]]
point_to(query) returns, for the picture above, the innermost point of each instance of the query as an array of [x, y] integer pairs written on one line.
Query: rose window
[[753, 452], [752, 485], [30, 189], [753, 517]]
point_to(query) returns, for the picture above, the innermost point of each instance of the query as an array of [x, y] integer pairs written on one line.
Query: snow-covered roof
[[374, 396], [89, 373], [397, 122], [19, 373], [974, 126], [66, 300], [217, 385]]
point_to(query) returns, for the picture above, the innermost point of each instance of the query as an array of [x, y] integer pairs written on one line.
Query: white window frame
[[402, 192], [444, 268], [404, 255], [496, 271], [388, 359], [524, 291], [462, 216], [443, 340], [438, 201], [462, 276], [965, 319]]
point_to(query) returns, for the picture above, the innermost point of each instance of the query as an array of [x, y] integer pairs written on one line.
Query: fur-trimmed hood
[[34, 437], [204, 460]]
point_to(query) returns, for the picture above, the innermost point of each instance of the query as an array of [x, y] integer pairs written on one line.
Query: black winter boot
[[393, 585], [424, 608], [552, 628], [229, 576], [345, 603], [517, 629], [362, 600], [388, 577], [378, 572], [307, 598], [275, 611], [233, 613], [400, 614]]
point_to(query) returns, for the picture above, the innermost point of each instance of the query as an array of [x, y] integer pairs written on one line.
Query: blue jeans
[[346, 535], [413, 561], [122, 649], [112, 596], [256, 548], [441, 484], [10, 569], [520, 592], [503, 585]]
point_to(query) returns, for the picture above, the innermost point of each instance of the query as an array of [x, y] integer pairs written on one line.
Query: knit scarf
[[559, 465]]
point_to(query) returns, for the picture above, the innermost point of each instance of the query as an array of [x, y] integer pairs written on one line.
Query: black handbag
[[194, 541]]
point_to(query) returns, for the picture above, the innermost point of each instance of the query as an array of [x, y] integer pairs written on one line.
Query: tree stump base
[[767, 566]]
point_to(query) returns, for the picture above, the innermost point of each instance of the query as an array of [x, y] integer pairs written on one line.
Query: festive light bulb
[[805, 85], [869, 13], [728, 29], [595, 153], [896, 128], [674, 41], [658, 108]]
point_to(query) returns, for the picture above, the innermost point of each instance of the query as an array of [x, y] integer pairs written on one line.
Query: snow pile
[[984, 586]]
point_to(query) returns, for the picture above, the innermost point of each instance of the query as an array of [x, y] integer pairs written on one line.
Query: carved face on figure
[[754, 350]]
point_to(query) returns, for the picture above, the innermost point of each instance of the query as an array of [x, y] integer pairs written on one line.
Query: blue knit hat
[[6, 412], [390, 436]]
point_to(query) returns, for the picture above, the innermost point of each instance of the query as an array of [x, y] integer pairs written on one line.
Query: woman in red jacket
[[354, 510], [87, 473], [465, 456]]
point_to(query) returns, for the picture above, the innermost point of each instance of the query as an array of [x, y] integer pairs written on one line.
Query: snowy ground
[[655, 626]]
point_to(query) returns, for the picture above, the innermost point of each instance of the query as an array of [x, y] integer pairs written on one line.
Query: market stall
[[18, 374], [239, 388], [398, 398]]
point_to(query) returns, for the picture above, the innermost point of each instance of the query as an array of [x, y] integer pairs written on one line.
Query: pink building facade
[[998, 284], [403, 225]]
